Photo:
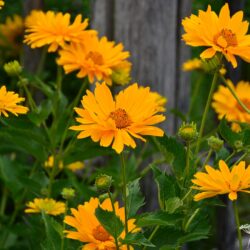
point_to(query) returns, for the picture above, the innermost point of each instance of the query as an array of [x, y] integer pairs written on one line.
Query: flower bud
[[188, 132], [215, 143], [103, 183], [210, 65], [13, 68], [68, 193], [238, 144], [121, 73]]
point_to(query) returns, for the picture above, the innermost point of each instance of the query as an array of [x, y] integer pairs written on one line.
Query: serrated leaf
[[53, 239], [172, 204], [135, 199], [137, 239], [166, 186], [228, 135], [160, 218], [110, 222]]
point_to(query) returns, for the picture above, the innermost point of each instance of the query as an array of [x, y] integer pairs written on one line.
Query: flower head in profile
[[9, 103], [47, 205], [133, 113], [11, 34], [226, 105], [1, 4], [54, 29], [192, 64], [222, 181], [90, 231], [75, 166], [222, 33], [95, 58]]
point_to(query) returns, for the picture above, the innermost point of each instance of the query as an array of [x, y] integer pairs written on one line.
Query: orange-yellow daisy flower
[[192, 64], [90, 231], [75, 166], [9, 103], [221, 33], [226, 105], [222, 181], [1, 4], [54, 29], [47, 205], [132, 113], [11, 34], [94, 58]]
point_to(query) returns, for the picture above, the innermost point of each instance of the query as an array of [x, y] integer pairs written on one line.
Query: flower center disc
[[121, 118], [225, 38], [100, 233], [246, 103], [96, 57]]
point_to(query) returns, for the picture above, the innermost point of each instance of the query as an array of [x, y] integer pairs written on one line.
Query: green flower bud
[[103, 183], [103, 197], [238, 144], [68, 193], [13, 68], [188, 132], [215, 143], [210, 65]]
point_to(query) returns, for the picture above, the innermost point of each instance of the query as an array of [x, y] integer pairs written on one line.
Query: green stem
[[124, 184], [230, 156], [41, 61], [59, 78], [113, 208], [207, 159], [204, 117], [3, 201], [235, 95], [152, 235], [191, 219], [187, 159], [237, 220], [241, 158], [66, 209]]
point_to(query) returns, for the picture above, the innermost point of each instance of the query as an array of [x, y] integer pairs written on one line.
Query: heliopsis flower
[[226, 105], [9, 103], [94, 58], [192, 64], [116, 121], [222, 181], [54, 29], [222, 33], [90, 231], [1, 4], [75, 166], [11, 34], [121, 73], [50, 163], [47, 205]]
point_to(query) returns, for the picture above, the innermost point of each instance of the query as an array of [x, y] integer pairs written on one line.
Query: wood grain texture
[[149, 29]]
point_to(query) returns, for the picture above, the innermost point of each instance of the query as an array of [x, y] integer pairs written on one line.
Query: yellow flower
[[161, 101], [222, 181], [221, 33], [192, 64], [50, 163], [11, 34], [94, 58], [75, 166], [9, 103], [1, 4], [116, 122], [54, 29], [48, 206], [121, 73], [89, 230], [225, 104]]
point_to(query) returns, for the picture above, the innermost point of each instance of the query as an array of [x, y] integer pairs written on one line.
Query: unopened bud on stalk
[[210, 65], [13, 68], [188, 131], [215, 143], [68, 193], [103, 183], [238, 144]]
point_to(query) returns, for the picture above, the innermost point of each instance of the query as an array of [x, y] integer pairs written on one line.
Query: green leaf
[[173, 150], [110, 222], [228, 135], [172, 204], [195, 236], [42, 112], [53, 237], [160, 218], [135, 200], [137, 239], [246, 137], [166, 186]]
